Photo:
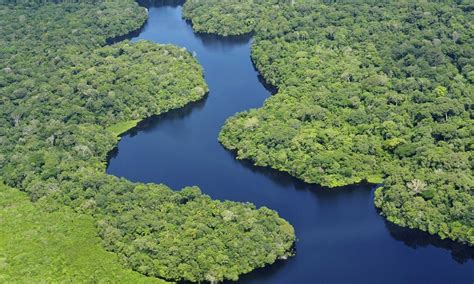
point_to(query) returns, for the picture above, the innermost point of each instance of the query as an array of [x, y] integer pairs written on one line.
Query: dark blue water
[[341, 237]]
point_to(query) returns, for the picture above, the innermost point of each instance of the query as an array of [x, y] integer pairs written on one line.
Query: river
[[341, 236]]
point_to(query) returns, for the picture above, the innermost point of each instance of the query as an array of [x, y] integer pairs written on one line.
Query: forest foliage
[[62, 246], [65, 96], [367, 91]]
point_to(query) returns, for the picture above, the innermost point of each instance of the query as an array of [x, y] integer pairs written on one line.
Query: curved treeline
[[378, 92], [64, 97]]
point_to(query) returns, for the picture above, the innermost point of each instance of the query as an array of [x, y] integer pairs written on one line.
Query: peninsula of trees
[[367, 91], [65, 95]]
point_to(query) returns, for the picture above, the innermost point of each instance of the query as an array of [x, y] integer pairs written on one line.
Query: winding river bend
[[341, 237]]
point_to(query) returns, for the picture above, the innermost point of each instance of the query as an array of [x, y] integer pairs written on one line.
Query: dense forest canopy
[[367, 91], [60, 246], [65, 96]]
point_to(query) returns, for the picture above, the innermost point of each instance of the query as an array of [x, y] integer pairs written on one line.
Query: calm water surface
[[341, 237]]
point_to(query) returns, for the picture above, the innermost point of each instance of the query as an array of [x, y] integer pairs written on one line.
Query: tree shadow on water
[[154, 122], [213, 41], [415, 239], [285, 179], [160, 3], [151, 123], [264, 274]]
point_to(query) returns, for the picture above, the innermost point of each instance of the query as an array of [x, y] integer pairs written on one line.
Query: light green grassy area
[[61, 246], [122, 127], [375, 179]]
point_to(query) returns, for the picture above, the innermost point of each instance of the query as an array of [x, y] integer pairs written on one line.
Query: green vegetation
[[64, 98], [122, 127], [224, 18], [62, 246], [366, 92]]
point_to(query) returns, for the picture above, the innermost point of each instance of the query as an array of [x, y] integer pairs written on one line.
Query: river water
[[341, 237]]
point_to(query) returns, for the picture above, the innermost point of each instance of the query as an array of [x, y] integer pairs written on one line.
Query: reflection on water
[[341, 237]]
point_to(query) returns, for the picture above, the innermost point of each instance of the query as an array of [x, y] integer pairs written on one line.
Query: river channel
[[341, 236]]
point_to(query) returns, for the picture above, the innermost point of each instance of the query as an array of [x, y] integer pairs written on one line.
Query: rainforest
[[362, 101], [66, 95]]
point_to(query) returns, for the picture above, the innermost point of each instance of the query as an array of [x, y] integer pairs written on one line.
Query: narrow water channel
[[341, 237]]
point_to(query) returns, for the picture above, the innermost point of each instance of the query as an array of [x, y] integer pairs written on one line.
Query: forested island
[[379, 92], [65, 97]]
